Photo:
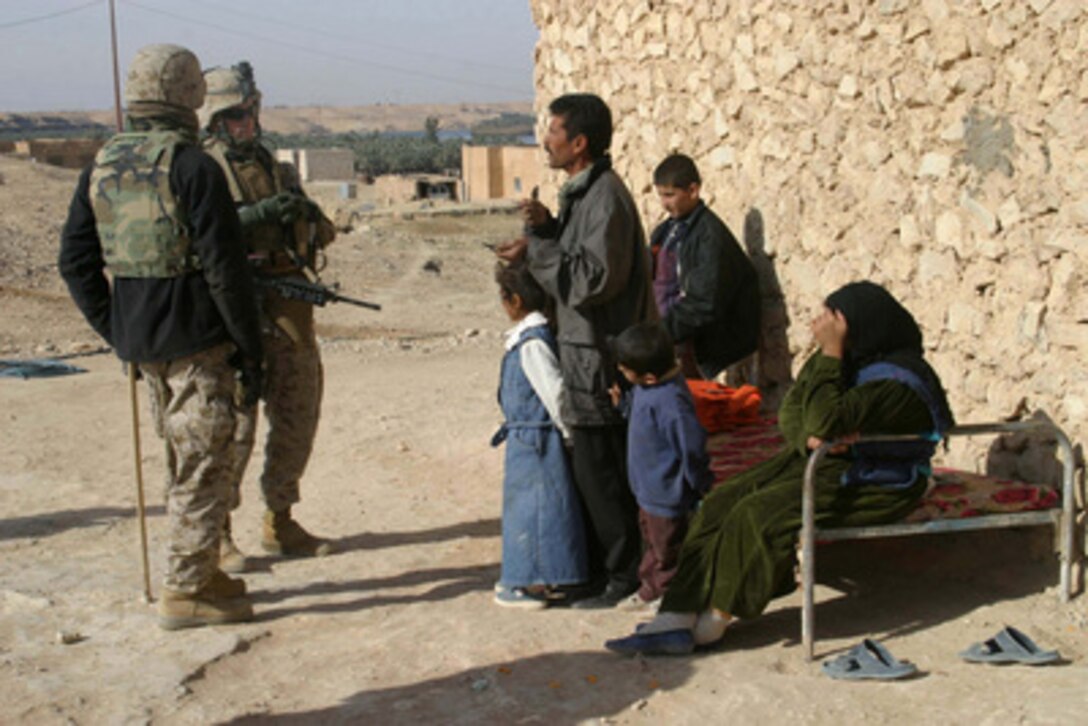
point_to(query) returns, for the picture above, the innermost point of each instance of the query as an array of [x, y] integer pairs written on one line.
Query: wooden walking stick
[[139, 478], [131, 366]]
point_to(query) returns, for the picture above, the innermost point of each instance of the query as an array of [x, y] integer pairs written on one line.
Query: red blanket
[[952, 493]]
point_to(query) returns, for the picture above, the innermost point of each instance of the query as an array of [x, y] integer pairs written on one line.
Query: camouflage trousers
[[293, 383], [192, 403]]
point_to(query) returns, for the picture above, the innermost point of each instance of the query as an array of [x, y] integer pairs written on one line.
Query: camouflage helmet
[[165, 73], [227, 88]]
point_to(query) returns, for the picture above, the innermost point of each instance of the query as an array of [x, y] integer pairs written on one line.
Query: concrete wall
[[67, 153], [501, 172], [320, 164], [523, 167], [390, 189], [481, 172], [937, 147]]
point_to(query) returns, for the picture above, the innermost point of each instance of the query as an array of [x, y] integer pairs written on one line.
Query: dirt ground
[[399, 626]]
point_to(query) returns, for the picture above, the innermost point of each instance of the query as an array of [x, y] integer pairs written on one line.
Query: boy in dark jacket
[[705, 286]]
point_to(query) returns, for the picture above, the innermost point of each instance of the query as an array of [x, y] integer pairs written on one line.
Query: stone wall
[[938, 147]]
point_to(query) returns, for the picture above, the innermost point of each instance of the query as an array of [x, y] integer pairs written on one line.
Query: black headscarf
[[879, 328]]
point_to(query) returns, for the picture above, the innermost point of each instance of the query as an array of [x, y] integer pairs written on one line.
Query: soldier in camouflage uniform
[[154, 211], [284, 234]]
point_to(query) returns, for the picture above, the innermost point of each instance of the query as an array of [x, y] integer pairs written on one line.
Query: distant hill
[[288, 119]]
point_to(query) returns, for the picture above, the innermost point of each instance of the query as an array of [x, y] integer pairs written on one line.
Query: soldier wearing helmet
[[284, 233], [150, 255]]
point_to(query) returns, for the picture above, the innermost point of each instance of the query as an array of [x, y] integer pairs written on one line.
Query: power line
[[324, 54], [219, 8], [50, 16]]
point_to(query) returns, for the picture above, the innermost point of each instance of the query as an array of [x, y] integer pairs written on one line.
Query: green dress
[[740, 548]]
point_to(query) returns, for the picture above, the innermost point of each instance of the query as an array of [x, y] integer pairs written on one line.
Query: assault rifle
[[314, 293]]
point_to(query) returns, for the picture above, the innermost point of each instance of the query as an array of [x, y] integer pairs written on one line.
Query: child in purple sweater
[[667, 464]]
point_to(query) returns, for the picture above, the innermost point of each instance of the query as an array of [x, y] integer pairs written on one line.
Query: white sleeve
[[541, 367]]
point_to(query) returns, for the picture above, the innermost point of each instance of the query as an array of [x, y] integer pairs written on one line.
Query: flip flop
[[868, 660], [1009, 646]]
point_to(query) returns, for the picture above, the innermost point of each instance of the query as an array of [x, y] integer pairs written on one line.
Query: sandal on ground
[[868, 660], [1009, 646]]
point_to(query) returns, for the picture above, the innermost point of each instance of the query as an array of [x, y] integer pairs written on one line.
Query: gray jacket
[[594, 262]]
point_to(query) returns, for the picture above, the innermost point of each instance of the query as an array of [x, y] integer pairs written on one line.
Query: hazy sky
[[333, 52]]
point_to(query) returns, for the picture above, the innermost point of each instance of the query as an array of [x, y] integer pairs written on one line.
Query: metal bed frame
[[1061, 518]]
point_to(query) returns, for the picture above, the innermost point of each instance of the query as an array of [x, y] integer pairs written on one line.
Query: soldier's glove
[[248, 380], [284, 208], [313, 212]]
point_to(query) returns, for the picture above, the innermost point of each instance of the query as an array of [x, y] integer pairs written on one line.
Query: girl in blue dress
[[543, 536]]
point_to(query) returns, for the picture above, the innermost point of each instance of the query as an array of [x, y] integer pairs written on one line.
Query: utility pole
[[116, 70]]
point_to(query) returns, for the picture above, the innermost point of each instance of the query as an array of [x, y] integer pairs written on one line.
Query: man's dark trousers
[[599, 465]]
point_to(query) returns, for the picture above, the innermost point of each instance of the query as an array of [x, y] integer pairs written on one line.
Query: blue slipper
[[670, 642], [1009, 646], [868, 660]]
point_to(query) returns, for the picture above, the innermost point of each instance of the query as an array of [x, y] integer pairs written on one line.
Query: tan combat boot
[[284, 536], [179, 610], [231, 558], [224, 586]]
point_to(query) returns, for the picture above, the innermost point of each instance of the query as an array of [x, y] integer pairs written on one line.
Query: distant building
[[500, 172], [68, 153], [320, 164], [399, 188]]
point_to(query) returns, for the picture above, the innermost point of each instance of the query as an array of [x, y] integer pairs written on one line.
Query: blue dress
[[543, 536]]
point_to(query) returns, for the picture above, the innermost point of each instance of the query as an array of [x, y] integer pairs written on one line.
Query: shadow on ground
[[894, 587], [447, 583], [52, 523], [566, 687], [378, 540]]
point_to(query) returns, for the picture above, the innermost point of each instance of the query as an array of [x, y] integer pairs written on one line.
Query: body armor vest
[[142, 231], [251, 179]]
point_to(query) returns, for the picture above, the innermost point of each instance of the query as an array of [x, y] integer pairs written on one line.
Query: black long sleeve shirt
[[150, 320]]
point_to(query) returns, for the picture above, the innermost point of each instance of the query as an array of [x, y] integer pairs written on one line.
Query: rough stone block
[[999, 34], [1069, 335], [934, 166], [985, 219], [974, 76], [1018, 69], [893, 7], [949, 232], [1030, 326], [743, 75], [951, 46], [722, 157], [933, 266], [721, 123], [1009, 213], [771, 146], [848, 87], [910, 236], [785, 63], [965, 319], [562, 63]]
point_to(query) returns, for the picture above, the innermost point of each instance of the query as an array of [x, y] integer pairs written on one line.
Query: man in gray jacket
[[593, 260]]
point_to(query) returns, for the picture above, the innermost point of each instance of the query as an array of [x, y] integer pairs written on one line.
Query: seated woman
[[868, 377]]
